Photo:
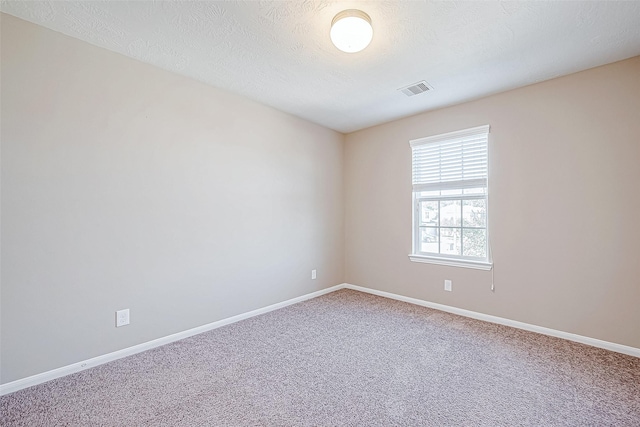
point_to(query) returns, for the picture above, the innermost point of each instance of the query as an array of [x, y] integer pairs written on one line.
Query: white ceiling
[[279, 52]]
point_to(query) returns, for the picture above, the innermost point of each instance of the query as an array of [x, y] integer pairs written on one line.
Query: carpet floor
[[346, 359]]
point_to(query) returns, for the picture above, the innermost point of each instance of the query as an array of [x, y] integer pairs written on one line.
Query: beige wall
[[564, 205], [124, 186]]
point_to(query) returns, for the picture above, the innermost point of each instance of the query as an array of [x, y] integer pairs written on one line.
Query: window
[[450, 187]]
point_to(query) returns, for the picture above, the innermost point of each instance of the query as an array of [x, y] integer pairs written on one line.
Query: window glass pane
[[450, 241], [450, 213], [429, 239], [429, 213], [474, 213], [475, 242]]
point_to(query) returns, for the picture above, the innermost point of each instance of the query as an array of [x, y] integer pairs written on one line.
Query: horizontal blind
[[451, 161]]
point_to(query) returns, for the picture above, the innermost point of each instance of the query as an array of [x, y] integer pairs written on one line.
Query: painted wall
[[125, 186], [564, 205]]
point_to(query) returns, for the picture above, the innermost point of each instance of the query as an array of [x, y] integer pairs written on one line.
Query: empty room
[[319, 213]]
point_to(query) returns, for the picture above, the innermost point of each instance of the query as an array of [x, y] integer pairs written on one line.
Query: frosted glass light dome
[[351, 30]]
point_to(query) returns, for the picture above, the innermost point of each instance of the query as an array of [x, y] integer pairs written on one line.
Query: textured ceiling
[[279, 52]]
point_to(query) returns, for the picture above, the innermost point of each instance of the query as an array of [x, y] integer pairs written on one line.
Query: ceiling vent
[[416, 88]]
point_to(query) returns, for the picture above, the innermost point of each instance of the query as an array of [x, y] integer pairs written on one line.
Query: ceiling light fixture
[[351, 30]]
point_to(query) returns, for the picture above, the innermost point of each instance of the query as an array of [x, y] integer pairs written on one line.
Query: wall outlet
[[314, 275], [122, 317], [447, 285]]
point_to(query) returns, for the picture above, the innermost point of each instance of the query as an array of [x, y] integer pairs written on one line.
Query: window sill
[[478, 265]]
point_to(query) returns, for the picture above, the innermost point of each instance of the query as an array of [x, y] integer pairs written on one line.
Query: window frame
[[416, 254]]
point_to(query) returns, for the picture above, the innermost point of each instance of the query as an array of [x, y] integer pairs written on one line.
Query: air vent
[[416, 88]]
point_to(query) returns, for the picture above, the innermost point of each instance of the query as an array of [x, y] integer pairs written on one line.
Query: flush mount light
[[351, 30]]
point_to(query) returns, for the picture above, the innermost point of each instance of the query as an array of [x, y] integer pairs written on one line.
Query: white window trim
[[453, 262], [450, 135], [443, 259]]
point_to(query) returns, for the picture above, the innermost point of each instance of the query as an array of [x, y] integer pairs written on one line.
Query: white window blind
[[454, 160]]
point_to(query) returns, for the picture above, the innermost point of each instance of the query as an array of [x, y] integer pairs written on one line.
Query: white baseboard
[[90, 363], [618, 348], [10, 387]]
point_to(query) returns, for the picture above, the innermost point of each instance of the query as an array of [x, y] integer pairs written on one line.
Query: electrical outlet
[[314, 275], [122, 317], [447, 285]]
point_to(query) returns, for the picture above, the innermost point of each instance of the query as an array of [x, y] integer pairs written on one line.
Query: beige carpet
[[346, 359]]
